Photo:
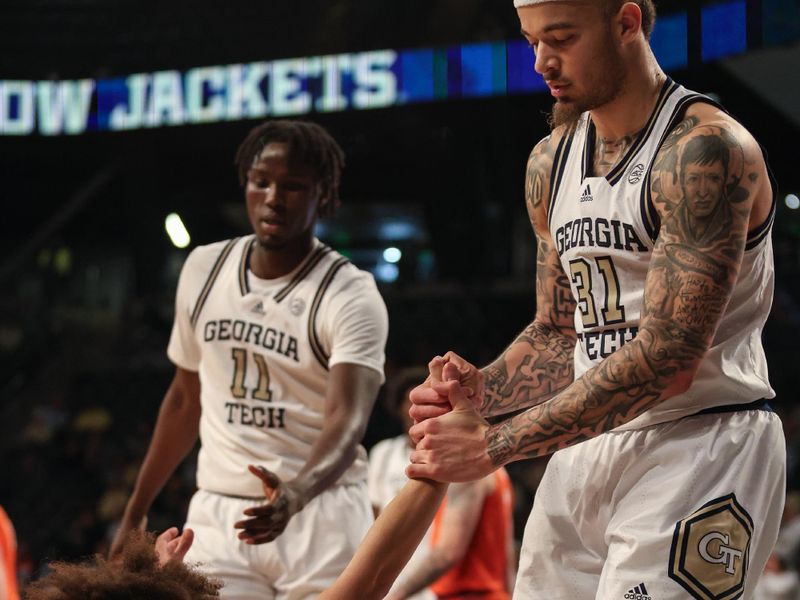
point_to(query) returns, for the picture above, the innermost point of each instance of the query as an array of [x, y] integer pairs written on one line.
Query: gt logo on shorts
[[725, 554], [710, 550]]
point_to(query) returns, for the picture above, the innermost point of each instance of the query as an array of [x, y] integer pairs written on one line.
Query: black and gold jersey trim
[[313, 338], [615, 174], [559, 166], [212, 277], [755, 237], [244, 264], [312, 260]]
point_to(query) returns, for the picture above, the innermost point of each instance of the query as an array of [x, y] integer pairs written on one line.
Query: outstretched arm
[[393, 537], [389, 543], [174, 437], [693, 269], [459, 520]]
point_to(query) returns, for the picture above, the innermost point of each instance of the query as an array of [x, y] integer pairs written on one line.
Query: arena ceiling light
[[176, 231], [392, 255]]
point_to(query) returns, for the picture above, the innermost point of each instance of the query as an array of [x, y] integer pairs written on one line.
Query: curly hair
[[309, 146], [135, 575]]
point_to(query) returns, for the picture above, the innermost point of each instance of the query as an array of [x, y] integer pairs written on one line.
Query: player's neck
[[274, 262], [629, 111]]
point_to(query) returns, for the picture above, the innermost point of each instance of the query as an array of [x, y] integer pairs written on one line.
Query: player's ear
[[322, 207], [628, 21], [323, 199]]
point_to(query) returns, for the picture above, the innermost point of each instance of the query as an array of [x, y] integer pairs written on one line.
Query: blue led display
[[354, 81], [724, 30]]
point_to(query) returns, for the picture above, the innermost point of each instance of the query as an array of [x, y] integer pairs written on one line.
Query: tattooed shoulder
[[537, 176], [702, 166]]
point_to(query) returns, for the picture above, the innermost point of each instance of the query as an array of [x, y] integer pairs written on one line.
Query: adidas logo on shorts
[[638, 593]]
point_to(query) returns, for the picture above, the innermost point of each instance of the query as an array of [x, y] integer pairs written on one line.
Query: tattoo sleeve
[[704, 181], [539, 363]]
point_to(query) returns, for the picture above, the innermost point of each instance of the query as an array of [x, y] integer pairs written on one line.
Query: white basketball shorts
[[303, 561], [685, 509]]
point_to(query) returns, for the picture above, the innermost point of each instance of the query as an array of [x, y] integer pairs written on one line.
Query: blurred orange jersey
[[8, 558], [482, 573]]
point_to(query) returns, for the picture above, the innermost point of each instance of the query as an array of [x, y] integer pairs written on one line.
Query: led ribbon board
[[299, 86]]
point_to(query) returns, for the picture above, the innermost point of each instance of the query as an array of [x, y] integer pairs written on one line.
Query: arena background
[[87, 271]]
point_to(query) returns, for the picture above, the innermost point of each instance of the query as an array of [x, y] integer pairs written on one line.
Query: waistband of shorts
[[235, 496], [760, 404], [263, 498]]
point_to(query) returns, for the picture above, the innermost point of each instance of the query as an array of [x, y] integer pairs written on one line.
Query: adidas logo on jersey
[[259, 308], [638, 593], [587, 195]]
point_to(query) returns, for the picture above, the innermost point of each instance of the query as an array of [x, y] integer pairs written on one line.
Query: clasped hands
[[449, 433]]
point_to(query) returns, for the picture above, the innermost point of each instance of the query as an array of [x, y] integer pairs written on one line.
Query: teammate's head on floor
[[135, 574]]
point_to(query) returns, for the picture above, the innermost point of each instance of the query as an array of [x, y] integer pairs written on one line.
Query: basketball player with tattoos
[[643, 369]]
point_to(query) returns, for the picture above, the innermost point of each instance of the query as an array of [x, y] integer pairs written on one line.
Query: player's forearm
[[658, 364], [389, 543], [174, 436], [331, 455], [534, 368], [430, 568]]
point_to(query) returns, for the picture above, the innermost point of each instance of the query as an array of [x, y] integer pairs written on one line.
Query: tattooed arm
[[707, 179], [539, 362]]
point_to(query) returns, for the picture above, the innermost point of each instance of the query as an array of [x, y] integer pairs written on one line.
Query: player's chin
[[270, 242]]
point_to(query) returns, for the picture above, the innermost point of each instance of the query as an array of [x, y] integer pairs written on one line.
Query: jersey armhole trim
[[212, 277], [313, 338], [755, 237]]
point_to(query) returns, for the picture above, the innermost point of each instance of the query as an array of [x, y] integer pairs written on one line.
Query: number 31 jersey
[[604, 230], [263, 350]]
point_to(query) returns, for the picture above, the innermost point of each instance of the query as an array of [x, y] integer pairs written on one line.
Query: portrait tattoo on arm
[[538, 363], [703, 185]]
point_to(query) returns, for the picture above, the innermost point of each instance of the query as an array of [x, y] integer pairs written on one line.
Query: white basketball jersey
[[604, 229], [263, 349]]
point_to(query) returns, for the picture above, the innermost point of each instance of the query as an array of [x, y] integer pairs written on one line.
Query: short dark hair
[[705, 150], [647, 7], [136, 574], [309, 146]]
